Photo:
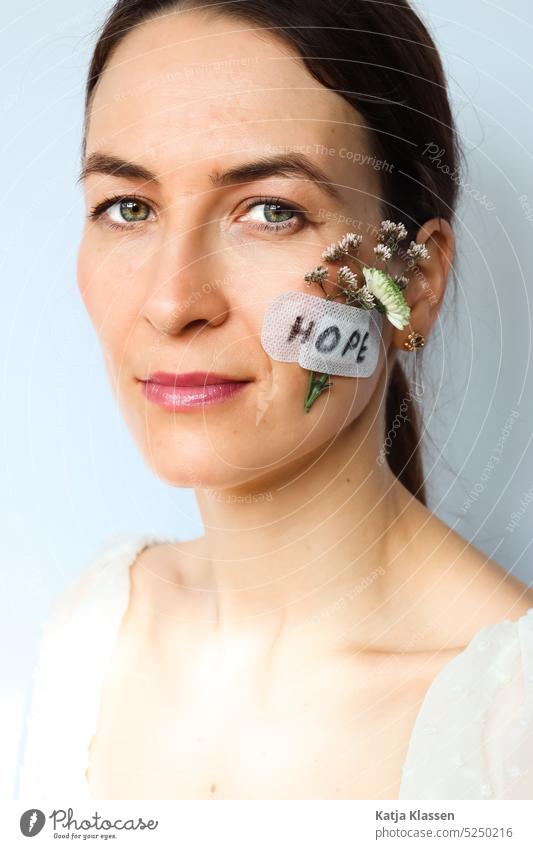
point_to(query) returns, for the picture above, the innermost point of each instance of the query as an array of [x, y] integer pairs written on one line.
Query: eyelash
[[97, 212], [287, 206]]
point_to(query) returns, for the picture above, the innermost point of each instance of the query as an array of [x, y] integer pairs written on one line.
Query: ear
[[427, 281]]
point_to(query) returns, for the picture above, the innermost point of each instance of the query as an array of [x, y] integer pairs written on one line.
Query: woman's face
[[178, 280]]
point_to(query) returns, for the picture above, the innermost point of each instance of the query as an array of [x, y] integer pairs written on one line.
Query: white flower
[[401, 281], [332, 253], [416, 252], [390, 230], [383, 252], [350, 242], [385, 290], [346, 277], [317, 275], [364, 298]]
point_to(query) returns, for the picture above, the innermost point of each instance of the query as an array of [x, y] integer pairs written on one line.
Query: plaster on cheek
[[322, 335]]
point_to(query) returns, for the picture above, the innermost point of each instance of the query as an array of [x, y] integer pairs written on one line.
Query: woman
[[328, 636]]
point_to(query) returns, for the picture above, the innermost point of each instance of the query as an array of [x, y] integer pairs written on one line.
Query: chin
[[209, 472]]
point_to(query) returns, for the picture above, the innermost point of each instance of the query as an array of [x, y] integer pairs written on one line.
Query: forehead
[[194, 86]]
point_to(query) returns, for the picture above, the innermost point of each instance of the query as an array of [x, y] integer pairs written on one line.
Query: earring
[[414, 341]]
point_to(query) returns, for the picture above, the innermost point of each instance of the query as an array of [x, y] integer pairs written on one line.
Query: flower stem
[[317, 383]]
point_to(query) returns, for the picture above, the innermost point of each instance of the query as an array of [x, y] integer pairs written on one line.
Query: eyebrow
[[281, 165]]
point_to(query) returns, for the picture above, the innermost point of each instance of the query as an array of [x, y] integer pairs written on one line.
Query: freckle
[[347, 480], [213, 788]]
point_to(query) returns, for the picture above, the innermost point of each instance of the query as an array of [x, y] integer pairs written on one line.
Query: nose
[[185, 287]]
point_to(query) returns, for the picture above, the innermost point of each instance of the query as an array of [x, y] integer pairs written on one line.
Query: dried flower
[[346, 277], [414, 253], [317, 275], [389, 231], [364, 298], [383, 252], [333, 252], [350, 242], [379, 291], [401, 281]]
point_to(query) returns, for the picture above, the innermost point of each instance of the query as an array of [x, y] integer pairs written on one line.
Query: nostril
[[197, 323]]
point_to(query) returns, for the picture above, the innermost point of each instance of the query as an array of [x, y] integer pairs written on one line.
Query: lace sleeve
[[509, 729], [68, 661], [473, 736]]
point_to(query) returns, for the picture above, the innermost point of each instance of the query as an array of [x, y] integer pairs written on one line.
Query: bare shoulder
[[162, 572], [475, 589]]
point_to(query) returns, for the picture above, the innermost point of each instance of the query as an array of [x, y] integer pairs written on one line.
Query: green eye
[[276, 212], [120, 211], [131, 210]]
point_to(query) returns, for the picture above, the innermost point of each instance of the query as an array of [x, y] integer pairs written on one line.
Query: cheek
[[353, 394], [101, 284], [279, 404], [99, 280], [84, 273], [103, 275]]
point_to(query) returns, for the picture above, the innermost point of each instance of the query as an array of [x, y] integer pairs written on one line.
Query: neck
[[310, 549]]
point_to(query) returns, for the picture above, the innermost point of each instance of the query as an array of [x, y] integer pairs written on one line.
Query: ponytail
[[402, 425]]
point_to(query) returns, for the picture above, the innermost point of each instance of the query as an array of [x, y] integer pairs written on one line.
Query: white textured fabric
[[75, 647], [472, 739]]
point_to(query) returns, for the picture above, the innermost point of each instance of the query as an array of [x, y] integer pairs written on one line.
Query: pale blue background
[[70, 474]]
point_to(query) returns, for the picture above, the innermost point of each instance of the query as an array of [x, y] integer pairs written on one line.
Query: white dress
[[472, 738]]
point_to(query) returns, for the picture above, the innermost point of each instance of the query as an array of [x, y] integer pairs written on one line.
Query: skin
[[251, 663]]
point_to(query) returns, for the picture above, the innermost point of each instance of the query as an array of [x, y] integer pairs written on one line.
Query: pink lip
[[194, 389]]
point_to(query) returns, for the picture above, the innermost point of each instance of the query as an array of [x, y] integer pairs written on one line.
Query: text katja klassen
[[417, 814]]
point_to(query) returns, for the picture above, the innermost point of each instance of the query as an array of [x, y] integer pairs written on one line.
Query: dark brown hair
[[381, 58]]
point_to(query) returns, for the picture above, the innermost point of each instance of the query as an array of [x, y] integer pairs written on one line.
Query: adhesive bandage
[[322, 335]]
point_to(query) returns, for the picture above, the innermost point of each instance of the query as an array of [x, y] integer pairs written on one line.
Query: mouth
[[191, 390]]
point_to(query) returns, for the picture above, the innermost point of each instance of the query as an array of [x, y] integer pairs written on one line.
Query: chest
[[170, 734]]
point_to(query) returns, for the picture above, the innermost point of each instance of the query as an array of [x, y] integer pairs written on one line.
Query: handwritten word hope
[[328, 339], [322, 335]]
